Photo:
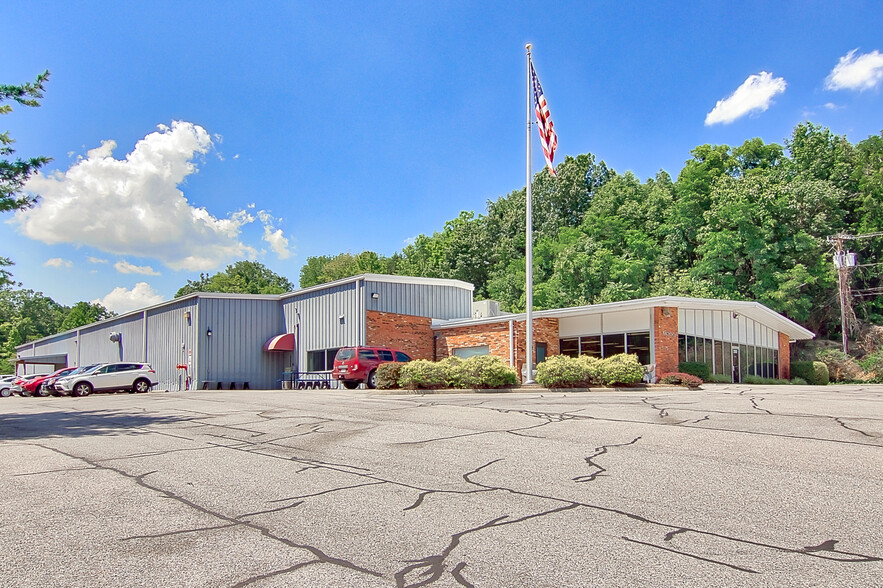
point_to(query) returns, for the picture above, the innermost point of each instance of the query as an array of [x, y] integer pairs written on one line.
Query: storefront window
[[569, 347], [639, 344], [614, 344], [590, 345], [464, 352]]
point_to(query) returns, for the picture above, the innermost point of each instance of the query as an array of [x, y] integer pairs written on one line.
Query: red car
[[357, 365], [35, 385]]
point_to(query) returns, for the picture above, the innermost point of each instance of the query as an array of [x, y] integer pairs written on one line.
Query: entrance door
[[737, 368]]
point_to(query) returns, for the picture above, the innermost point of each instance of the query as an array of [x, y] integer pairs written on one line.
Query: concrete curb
[[530, 389]]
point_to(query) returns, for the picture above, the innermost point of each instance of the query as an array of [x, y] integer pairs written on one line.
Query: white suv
[[122, 375]]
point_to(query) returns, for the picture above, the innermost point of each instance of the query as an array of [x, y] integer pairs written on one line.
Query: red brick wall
[[411, 334], [665, 334], [784, 357], [496, 337]]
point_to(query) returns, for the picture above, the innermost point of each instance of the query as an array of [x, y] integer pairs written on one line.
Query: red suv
[[355, 365]]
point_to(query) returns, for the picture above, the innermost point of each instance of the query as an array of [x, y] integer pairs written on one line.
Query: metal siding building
[[173, 336]]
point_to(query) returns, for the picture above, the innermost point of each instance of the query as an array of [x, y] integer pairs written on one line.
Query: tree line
[[749, 222]]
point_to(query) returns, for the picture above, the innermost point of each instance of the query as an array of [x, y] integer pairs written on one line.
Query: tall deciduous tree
[[243, 277]]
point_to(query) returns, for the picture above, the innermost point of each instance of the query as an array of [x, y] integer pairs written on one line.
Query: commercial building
[[210, 340]]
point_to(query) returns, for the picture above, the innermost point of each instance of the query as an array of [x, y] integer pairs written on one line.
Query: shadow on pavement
[[77, 423]]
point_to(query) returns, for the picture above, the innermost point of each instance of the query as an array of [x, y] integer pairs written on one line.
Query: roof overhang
[[284, 342], [58, 360]]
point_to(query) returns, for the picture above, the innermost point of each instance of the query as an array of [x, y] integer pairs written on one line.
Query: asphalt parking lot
[[728, 486]]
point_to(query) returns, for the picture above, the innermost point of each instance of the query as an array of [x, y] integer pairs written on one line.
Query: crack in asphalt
[[181, 532], [599, 451], [699, 557], [840, 422], [754, 400]]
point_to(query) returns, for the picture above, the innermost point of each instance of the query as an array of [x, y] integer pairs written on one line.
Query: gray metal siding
[[171, 340], [62, 345], [96, 346], [441, 302], [320, 323], [234, 352]]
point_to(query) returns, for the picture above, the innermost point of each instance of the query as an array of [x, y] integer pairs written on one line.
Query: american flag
[[544, 121]]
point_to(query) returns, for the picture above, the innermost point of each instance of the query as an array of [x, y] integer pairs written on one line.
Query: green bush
[[719, 379], [803, 370], [422, 373], [452, 368], [873, 365], [621, 369], [820, 376], [695, 368], [561, 371], [485, 371], [761, 380], [680, 379], [388, 375], [841, 367], [592, 369], [798, 382]]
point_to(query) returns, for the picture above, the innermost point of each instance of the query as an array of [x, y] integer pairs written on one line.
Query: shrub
[[719, 379], [592, 369], [873, 365], [680, 379], [621, 369], [814, 372], [485, 371], [422, 373], [452, 368], [561, 371], [695, 368], [761, 380], [841, 367], [798, 382], [388, 375]]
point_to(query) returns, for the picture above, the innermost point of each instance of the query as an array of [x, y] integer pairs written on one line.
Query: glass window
[[569, 347], [708, 351], [465, 352], [719, 358], [614, 344], [639, 344], [402, 357], [590, 345], [316, 361], [367, 354], [726, 365], [385, 354], [682, 348], [540, 354]]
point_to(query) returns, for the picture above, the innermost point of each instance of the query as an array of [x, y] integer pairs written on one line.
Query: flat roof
[[754, 310]]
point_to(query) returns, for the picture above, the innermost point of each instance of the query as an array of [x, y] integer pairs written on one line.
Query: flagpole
[[528, 253]]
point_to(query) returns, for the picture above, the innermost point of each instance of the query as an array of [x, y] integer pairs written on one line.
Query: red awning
[[280, 343]]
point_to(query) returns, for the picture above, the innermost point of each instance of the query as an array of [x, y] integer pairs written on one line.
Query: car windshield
[[84, 368], [345, 353]]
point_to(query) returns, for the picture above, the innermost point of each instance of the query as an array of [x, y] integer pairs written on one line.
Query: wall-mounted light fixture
[[208, 332], [115, 337], [187, 315], [342, 319], [735, 315], [666, 312], [375, 295]]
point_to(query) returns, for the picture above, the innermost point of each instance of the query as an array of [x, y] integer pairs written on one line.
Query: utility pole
[[840, 262]]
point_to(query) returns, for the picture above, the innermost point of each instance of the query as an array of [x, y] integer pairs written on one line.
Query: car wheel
[[5, 392], [42, 392], [350, 385], [83, 389], [141, 386], [371, 382]]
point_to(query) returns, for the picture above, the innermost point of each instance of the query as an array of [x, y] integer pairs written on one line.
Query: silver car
[[122, 375]]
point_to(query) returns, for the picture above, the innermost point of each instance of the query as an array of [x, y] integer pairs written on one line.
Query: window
[[569, 347], [614, 344], [540, 355], [402, 357], [385, 354], [590, 346], [639, 344], [322, 360], [464, 352], [367, 354]]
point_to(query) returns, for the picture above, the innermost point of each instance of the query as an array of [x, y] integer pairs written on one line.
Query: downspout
[[360, 300], [511, 343], [78, 347], [144, 343]]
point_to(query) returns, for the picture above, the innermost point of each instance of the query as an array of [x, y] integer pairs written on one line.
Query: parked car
[[6, 385], [56, 389], [45, 386], [357, 365], [122, 375], [18, 385]]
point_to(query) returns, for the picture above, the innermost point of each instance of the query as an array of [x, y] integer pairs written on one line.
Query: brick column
[[411, 334], [784, 357], [665, 334]]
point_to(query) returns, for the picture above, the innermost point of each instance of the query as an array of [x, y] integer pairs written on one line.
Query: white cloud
[[58, 262], [754, 95], [133, 206], [124, 267], [273, 236], [121, 300], [410, 241], [91, 259], [832, 106], [864, 72]]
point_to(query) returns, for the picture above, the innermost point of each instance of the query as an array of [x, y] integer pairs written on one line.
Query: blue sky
[[188, 135]]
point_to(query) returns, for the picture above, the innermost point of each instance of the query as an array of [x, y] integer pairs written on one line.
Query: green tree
[[243, 277], [13, 174], [84, 313]]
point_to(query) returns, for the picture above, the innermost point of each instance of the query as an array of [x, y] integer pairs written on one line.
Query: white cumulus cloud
[[124, 267], [864, 72], [133, 206], [58, 262], [274, 237], [121, 300], [754, 95], [91, 259]]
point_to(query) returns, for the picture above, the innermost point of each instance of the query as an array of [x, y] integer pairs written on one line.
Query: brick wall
[[411, 334], [665, 334], [784, 357], [496, 337]]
